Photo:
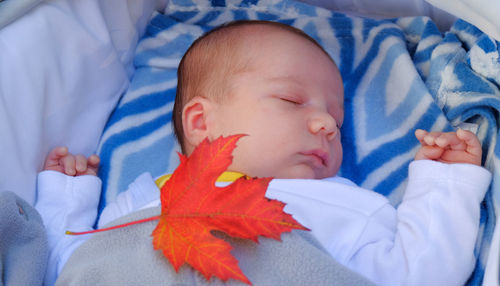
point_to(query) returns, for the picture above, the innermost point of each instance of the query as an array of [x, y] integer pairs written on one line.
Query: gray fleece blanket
[[126, 257], [23, 243]]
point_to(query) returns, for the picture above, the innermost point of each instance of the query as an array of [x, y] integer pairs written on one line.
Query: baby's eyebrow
[[284, 79], [287, 83]]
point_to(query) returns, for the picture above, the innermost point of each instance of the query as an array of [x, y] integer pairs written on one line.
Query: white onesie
[[428, 240]]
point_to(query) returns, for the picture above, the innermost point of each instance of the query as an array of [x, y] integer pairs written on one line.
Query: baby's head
[[271, 82]]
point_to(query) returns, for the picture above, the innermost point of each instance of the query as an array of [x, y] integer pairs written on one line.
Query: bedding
[[399, 74], [63, 66], [11, 10], [289, 262], [390, 9], [22, 235], [482, 13], [65, 63]]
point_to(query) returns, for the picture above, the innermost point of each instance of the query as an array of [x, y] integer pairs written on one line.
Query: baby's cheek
[[336, 160], [298, 171]]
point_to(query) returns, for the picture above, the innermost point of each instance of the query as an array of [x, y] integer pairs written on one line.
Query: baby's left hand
[[449, 147], [59, 159]]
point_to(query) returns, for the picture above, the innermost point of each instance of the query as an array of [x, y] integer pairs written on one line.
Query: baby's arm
[[449, 147], [428, 240], [59, 159], [66, 200]]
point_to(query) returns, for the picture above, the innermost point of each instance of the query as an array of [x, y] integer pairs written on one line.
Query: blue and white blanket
[[399, 75]]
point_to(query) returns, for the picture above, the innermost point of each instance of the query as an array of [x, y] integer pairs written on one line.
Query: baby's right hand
[[59, 159], [449, 147]]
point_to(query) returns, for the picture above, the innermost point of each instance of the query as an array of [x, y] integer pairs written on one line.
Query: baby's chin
[[303, 171], [299, 171]]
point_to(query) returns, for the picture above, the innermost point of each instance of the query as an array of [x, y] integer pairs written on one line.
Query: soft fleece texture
[[399, 75], [23, 242], [126, 257]]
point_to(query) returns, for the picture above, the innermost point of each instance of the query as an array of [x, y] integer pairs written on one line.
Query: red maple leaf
[[192, 207]]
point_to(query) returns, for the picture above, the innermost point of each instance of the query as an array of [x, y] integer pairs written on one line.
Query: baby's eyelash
[[291, 100]]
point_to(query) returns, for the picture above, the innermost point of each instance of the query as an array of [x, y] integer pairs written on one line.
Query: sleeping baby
[[281, 88]]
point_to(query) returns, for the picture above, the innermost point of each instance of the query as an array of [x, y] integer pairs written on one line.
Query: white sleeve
[[436, 227], [65, 203], [141, 193], [428, 240]]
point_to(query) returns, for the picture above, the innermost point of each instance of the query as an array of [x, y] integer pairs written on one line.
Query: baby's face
[[290, 104]]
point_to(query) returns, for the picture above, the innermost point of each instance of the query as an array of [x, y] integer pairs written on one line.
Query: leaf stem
[[114, 227]]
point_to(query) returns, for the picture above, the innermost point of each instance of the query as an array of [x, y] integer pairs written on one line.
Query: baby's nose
[[323, 123]]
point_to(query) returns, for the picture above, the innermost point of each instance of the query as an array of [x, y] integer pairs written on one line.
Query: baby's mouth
[[319, 157]]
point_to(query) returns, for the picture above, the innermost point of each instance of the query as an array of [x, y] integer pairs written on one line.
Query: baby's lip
[[319, 154]]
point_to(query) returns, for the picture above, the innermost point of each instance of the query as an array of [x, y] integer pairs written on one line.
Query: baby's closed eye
[[291, 99]]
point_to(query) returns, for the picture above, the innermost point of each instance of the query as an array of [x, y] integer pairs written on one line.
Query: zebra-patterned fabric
[[399, 75]]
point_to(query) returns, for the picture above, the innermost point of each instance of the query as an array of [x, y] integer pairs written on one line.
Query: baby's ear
[[194, 122]]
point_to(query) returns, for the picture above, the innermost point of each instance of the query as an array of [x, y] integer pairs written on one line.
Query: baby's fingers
[[420, 134], [429, 153], [93, 165], [450, 140], [473, 146], [86, 166], [427, 138], [80, 164], [54, 156], [69, 165], [94, 161]]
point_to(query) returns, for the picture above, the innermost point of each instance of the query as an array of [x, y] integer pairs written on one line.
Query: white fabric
[[493, 265], [389, 9], [141, 193], [63, 67], [65, 203], [428, 240], [66, 62], [481, 13], [11, 10]]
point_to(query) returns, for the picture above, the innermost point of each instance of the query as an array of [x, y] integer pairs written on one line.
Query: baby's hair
[[205, 69]]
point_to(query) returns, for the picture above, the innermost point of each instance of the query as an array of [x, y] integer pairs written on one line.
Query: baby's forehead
[[234, 36], [261, 32], [253, 37], [239, 49]]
